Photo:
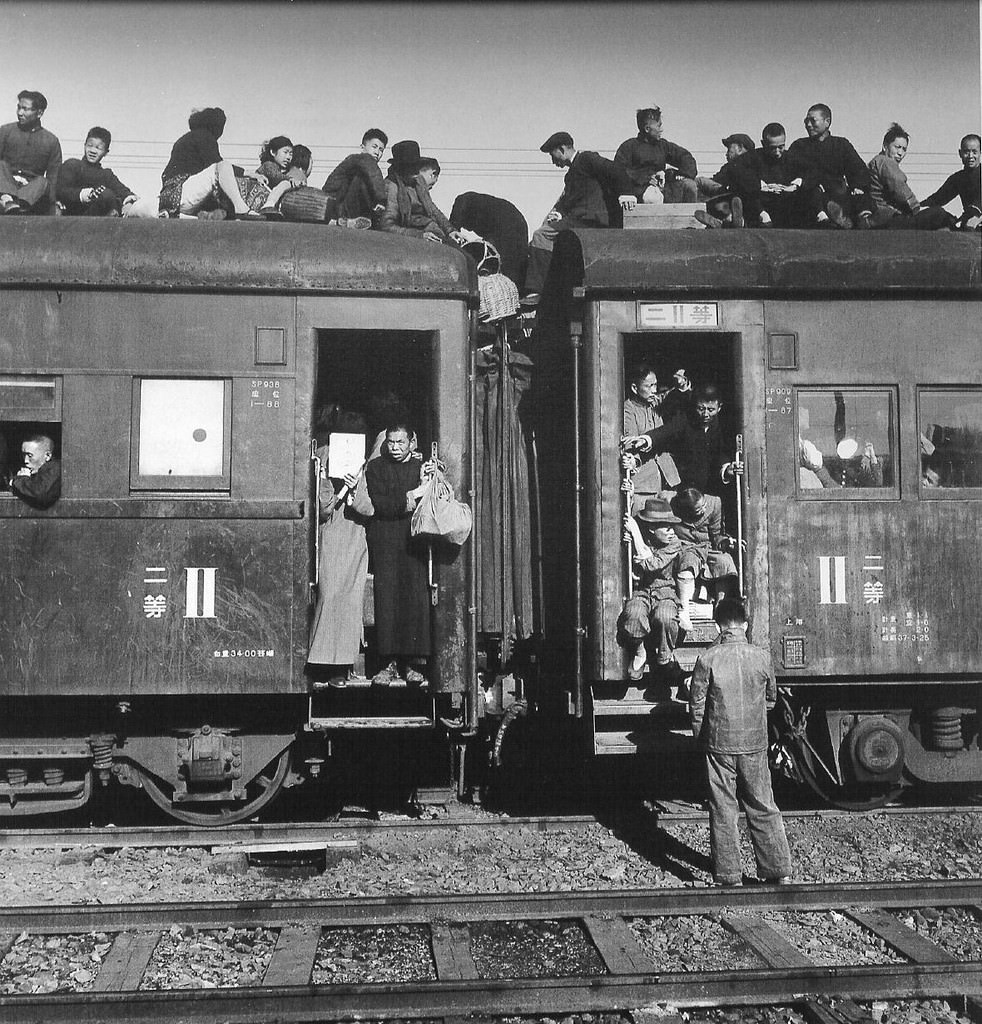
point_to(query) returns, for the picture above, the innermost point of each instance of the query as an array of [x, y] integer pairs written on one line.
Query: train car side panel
[[855, 564]]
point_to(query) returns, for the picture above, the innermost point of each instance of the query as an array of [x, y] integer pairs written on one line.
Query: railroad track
[[668, 812], [623, 976]]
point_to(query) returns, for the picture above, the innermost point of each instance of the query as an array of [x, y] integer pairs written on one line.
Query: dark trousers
[[930, 218], [30, 194], [357, 201], [818, 200], [744, 780], [786, 209]]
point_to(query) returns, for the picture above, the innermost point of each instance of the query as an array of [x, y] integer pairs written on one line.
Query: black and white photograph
[[491, 512]]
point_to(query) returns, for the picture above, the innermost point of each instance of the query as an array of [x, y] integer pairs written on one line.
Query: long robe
[[336, 633], [402, 601]]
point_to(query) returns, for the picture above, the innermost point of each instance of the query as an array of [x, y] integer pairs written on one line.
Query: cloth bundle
[[440, 514]]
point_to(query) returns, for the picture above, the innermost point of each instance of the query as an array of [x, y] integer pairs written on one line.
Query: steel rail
[[386, 910], [511, 996], [111, 837], [150, 836]]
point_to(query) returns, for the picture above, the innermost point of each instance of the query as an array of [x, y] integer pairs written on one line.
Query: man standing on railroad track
[[732, 689]]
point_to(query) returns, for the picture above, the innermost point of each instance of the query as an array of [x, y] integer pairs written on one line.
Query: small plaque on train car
[[679, 316], [794, 651]]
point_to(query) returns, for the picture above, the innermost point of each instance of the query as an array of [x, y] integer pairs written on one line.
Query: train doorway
[[365, 381], [682, 363]]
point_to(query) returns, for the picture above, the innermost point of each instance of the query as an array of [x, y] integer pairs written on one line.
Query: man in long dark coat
[[402, 604]]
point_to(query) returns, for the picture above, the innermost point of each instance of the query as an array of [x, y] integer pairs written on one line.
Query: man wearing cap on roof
[[774, 185], [409, 210], [722, 205], [595, 191], [662, 171], [653, 609]]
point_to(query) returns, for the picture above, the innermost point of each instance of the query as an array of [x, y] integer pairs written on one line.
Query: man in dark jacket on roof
[[840, 194], [773, 184], [30, 158], [661, 170], [595, 191], [965, 184]]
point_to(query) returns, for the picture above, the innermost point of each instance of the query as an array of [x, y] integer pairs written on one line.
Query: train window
[[181, 435], [846, 442], [949, 422], [29, 406]]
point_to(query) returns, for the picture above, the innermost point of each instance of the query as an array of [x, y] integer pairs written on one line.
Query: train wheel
[[847, 798], [262, 790]]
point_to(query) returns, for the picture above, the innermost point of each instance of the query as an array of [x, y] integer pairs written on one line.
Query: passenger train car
[[866, 593], [154, 624]]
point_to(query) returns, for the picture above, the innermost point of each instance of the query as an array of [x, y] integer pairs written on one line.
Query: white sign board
[[678, 315]]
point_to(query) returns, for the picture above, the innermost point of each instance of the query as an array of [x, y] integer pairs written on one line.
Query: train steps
[[360, 705], [651, 715]]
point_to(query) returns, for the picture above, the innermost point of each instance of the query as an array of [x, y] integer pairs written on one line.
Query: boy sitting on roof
[[86, 188]]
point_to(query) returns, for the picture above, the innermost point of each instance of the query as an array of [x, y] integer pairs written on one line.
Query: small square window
[[782, 351], [270, 346], [181, 435]]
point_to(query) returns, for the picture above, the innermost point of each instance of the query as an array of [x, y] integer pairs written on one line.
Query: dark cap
[[740, 139], [555, 141], [658, 512]]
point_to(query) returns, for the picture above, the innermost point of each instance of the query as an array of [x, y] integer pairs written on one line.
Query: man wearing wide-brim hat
[[409, 210], [653, 609]]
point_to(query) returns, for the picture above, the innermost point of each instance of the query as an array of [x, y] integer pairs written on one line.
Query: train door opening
[[682, 363], [365, 381]]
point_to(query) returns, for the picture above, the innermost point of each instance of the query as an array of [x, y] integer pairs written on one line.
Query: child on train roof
[[275, 159]]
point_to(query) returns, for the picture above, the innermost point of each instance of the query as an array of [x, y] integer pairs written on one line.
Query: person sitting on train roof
[[196, 177], [696, 442], [653, 609], [88, 189], [301, 164], [273, 172], [409, 209], [399, 560], [651, 472], [965, 184], [772, 184], [356, 185], [706, 550], [894, 204], [723, 207], [595, 192], [840, 194], [660, 170], [38, 482], [30, 159]]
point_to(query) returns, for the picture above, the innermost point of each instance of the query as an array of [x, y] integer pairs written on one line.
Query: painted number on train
[[264, 394]]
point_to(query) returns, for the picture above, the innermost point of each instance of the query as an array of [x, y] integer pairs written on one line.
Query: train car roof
[[740, 263], [164, 255]]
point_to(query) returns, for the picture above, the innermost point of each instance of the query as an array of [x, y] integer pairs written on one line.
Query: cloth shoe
[[249, 215], [838, 216], [386, 676], [865, 221], [638, 664], [10, 205], [414, 677], [359, 223], [707, 219]]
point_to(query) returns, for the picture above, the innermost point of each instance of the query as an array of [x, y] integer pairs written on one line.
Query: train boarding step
[[360, 705], [652, 714]]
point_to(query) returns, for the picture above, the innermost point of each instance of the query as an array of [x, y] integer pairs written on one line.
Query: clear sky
[[481, 85]]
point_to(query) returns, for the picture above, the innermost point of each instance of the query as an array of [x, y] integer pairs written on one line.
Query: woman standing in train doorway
[[345, 508], [402, 603]]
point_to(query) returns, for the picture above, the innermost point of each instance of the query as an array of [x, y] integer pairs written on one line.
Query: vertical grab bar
[[318, 467], [738, 461]]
